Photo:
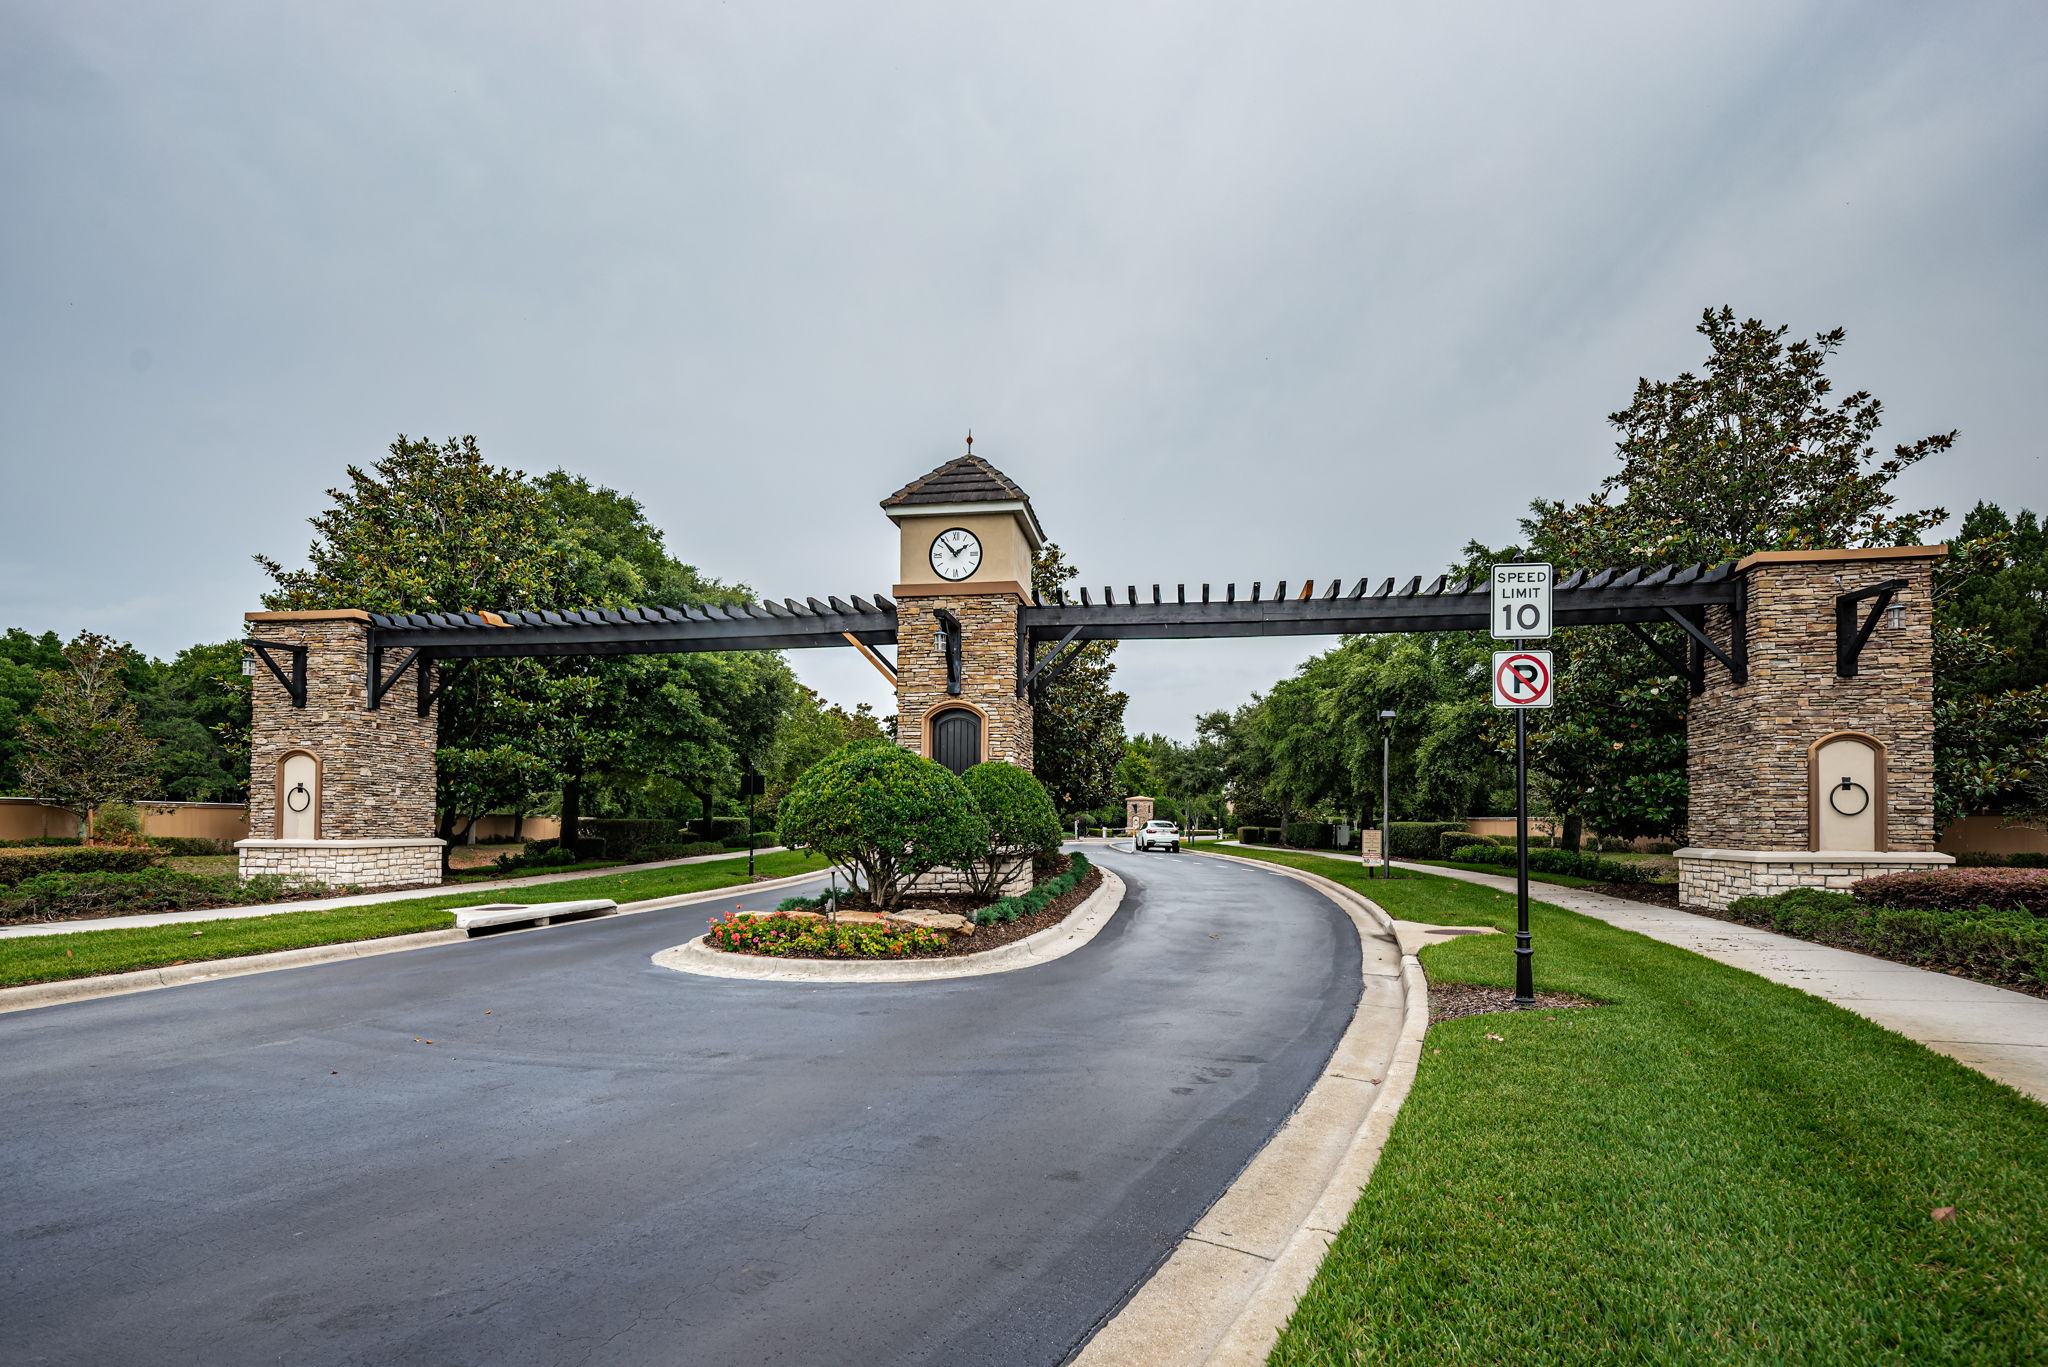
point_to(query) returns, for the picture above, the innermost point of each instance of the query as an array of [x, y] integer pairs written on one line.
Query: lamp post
[[1386, 793]]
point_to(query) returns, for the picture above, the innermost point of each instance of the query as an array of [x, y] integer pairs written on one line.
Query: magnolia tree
[[1021, 822], [886, 814]]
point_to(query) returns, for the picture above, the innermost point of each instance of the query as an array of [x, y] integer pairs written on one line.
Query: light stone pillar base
[[1714, 878], [952, 882], [364, 863]]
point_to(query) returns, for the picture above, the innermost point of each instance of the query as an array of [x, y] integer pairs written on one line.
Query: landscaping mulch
[[1449, 1001], [986, 938]]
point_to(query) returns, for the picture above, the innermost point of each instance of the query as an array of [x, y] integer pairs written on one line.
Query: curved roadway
[[598, 1161]]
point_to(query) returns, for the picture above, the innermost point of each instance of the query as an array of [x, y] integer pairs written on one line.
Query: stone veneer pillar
[[1754, 828], [990, 651], [368, 816]]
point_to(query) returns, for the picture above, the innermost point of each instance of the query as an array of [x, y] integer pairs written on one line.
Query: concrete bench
[[498, 915]]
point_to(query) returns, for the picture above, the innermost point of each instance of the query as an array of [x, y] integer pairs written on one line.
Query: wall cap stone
[[1823, 557], [964, 589], [338, 844], [324, 615], [1931, 857]]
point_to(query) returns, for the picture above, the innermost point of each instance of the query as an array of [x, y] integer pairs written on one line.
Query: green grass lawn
[[1709, 1169], [48, 958]]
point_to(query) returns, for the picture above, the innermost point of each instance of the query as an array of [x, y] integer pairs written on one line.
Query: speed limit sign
[[1521, 601], [1523, 678]]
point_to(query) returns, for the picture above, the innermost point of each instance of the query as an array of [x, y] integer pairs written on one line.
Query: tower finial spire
[[970, 441]]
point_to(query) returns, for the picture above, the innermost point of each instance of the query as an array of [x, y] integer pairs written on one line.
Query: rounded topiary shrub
[[885, 813], [1022, 822]]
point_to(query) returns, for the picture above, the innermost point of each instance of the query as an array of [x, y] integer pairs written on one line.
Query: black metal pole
[[750, 835], [1525, 983], [1386, 799]]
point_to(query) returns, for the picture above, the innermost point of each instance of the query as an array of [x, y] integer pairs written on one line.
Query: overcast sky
[[1235, 291]]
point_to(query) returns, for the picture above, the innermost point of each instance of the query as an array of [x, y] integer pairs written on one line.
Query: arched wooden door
[[956, 739]]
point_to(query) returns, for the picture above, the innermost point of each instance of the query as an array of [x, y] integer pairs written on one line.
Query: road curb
[[1080, 926], [31, 995], [1225, 1292]]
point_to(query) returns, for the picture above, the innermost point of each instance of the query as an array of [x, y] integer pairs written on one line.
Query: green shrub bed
[[22, 863], [1038, 899], [1590, 867], [807, 937], [2000, 946], [74, 896]]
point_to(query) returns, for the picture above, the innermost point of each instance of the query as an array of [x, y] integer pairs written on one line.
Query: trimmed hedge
[[1037, 900], [621, 837], [1417, 839], [19, 865], [1996, 946], [2026, 860], [190, 846], [1959, 890], [69, 896], [1590, 867], [39, 842]]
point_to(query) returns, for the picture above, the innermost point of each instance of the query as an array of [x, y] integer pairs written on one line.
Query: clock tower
[[968, 536]]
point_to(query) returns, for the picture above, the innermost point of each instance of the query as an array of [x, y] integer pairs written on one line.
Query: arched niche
[[298, 795], [1846, 792], [956, 736]]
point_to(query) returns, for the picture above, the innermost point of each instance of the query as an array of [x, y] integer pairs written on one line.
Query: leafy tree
[[24, 660], [81, 745], [476, 782], [1020, 818], [196, 707], [812, 729], [885, 813], [1991, 672], [1748, 455], [433, 527], [1078, 719]]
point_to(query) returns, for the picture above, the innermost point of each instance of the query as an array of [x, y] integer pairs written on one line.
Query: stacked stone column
[[990, 651], [372, 815], [1751, 831]]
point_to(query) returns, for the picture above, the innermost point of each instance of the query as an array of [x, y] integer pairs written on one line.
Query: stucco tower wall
[[1748, 746], [989, 653]]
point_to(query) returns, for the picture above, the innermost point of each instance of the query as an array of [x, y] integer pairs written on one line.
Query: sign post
[[1522, 679], [752, 785]]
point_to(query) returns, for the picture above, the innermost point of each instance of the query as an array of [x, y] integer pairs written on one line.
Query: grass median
[[87, 953], [1711, 1168]]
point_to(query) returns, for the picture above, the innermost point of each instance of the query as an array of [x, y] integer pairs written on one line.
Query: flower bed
[[785, 936], [796, 930]]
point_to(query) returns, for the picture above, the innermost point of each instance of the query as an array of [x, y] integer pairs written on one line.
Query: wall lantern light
[[1894, 617], [248, 666]]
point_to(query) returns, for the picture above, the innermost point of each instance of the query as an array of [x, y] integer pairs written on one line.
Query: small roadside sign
[[1521, 601], [1523, 678]]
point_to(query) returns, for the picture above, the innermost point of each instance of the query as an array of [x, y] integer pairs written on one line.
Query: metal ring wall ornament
[[299, 798], [1847, 786]]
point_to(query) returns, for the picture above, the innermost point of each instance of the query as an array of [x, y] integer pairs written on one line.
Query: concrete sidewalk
[[2000, 1033], [172, 918]]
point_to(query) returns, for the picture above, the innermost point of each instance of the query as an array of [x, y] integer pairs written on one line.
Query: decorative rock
[[947, 921]]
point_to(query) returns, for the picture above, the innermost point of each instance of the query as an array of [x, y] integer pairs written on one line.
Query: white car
[[1157, 835]]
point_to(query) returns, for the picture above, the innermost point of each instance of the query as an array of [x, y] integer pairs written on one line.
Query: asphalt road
[[541, 1149]]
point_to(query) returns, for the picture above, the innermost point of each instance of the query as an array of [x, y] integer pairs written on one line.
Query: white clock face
[[956, 553]]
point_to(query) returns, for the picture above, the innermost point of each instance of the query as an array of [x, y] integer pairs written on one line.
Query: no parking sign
[[1523, 678]]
